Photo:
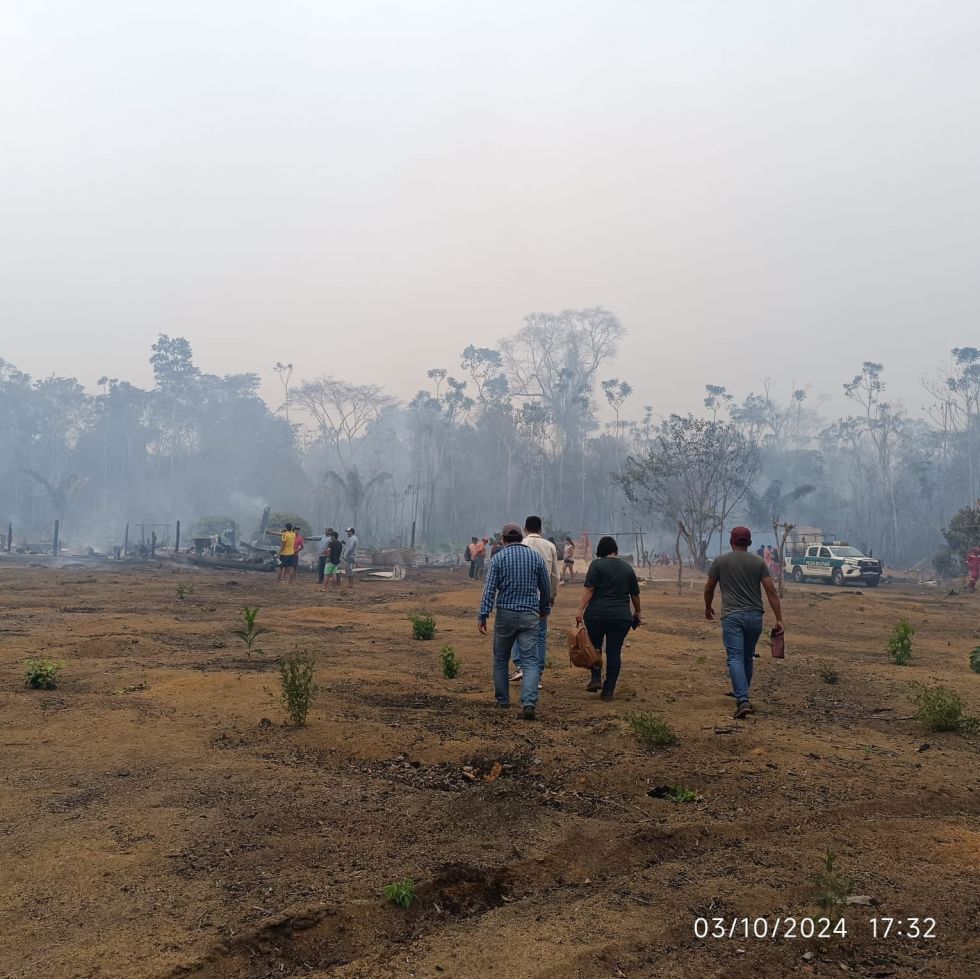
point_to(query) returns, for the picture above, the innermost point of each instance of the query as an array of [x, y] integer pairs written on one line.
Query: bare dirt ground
[[160, 819]]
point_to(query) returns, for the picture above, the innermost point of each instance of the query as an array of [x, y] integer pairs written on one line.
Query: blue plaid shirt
[[518, 580]]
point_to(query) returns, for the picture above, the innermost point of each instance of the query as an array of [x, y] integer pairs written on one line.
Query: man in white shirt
[[350, 555], [547, 552]]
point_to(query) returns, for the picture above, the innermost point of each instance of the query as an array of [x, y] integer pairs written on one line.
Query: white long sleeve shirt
[[549, 554]]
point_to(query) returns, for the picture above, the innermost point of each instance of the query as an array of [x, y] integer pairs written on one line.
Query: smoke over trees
[[537, 423]]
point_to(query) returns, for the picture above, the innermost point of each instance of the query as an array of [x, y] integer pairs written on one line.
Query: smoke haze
[[757, 190]]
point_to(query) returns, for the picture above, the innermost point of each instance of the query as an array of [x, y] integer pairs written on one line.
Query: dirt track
[[159, 819]]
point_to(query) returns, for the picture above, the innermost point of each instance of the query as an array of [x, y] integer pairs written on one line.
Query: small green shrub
[[401, 893], [679, 794], [250, 634], [651, 730], [423, 625], [183, 590], [900, 643], [975, 660], [832, 888], [940, 709], [450, 663], [42, 674], [297, 687]]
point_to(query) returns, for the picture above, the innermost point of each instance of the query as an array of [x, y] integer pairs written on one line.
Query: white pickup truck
[[834, 563]]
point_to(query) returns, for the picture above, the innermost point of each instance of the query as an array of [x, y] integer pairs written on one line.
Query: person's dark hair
[[289, 526], [472, 540], [533, 525], [607, 546], [335, 535]]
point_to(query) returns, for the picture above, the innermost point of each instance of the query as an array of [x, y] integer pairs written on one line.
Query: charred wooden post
[[177, 540], [10, 536], [681, 532], [126, 541], [153, 543], [57, 527], [786, 529]]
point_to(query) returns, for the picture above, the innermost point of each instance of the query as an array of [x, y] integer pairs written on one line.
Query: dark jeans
[[321, 566], [473, 569], [614, 633], [740, 632]]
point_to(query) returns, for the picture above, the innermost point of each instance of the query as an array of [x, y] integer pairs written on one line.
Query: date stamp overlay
[[878, 928]]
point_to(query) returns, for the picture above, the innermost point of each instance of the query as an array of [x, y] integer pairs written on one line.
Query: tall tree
[[696, 473], [341, 411], [883, 426], [616, 392]]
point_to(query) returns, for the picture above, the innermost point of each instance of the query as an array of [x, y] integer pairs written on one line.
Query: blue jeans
[[614, 632], [740, 632], [518, 629], [542, 646], [542, 649]]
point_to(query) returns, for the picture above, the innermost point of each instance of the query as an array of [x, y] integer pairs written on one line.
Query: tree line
[[535, 423]]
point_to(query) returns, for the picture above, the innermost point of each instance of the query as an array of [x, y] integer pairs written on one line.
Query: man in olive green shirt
[[742, 577]]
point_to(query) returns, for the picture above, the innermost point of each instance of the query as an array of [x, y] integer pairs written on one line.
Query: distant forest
[[499, 433]]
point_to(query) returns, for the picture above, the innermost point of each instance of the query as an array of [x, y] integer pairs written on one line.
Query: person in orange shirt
[[470, 557], [479, 553]]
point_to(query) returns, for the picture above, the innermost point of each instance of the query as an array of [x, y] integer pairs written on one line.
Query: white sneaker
[[540, 686], [516, 675]]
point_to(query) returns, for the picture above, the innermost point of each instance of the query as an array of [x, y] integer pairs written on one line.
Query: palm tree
[[60, 494], [771, 505], [354, 488]]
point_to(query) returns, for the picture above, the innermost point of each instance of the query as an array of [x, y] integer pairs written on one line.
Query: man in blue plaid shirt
[[519, 585]]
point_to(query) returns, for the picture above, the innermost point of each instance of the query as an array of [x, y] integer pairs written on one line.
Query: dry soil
[[160, 818]]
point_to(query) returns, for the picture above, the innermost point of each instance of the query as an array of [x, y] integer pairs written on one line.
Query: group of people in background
[[476, 555], [481, 549], [770, 555], [333, 554]]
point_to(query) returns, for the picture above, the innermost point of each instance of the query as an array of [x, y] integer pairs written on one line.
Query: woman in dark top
[[610, 587]]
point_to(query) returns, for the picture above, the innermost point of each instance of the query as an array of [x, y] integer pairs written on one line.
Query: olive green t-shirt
[[614, 580], [740, 574]]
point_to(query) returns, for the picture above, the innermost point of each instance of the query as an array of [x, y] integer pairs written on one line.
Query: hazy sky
[[756, 189]]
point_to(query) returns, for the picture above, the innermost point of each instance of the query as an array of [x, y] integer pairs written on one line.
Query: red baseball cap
[[741, 536]]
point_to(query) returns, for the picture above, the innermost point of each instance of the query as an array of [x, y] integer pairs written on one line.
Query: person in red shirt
[[973, 568]]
